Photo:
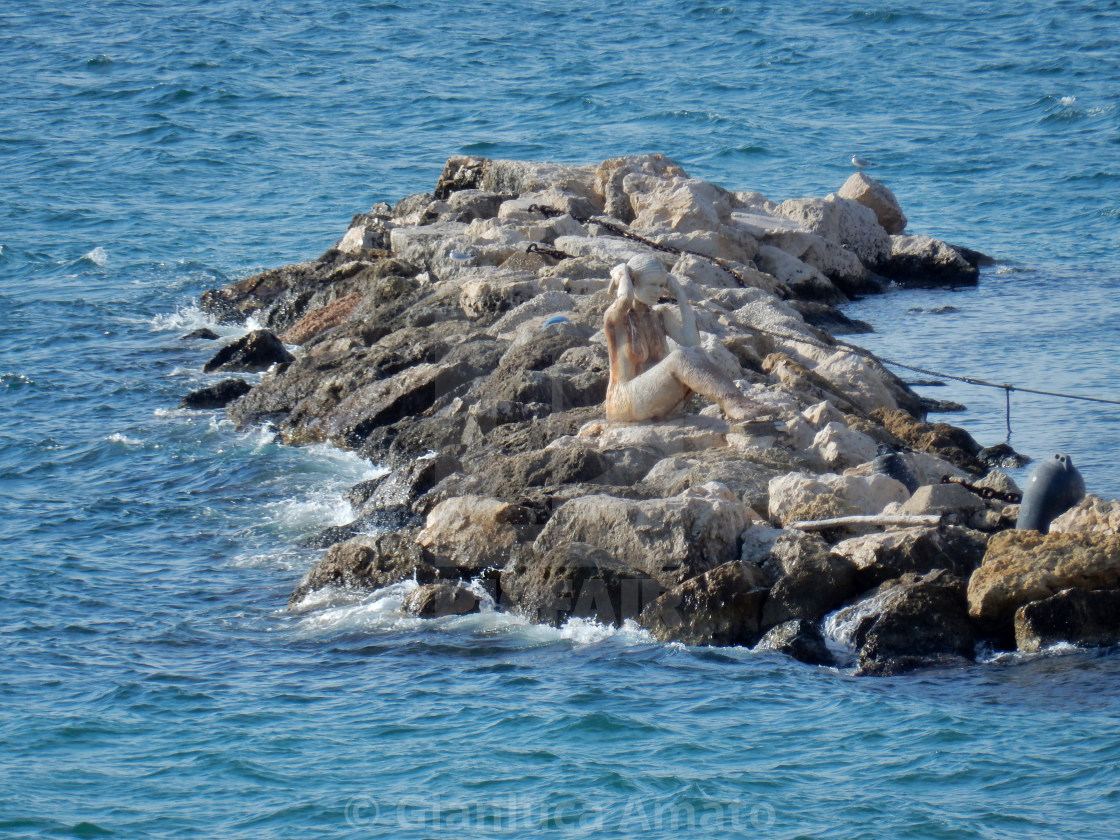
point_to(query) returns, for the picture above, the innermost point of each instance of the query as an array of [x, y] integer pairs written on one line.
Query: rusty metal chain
[[984, 492], [543, 250]]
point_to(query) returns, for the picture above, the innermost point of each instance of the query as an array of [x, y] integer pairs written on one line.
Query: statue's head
[[651, 280]]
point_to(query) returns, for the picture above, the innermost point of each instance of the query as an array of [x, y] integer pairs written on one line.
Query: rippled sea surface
[[152, 683]]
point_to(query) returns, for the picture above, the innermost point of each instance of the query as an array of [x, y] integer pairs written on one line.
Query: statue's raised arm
[[647, 380]]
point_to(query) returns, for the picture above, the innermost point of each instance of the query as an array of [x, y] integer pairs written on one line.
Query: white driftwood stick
[[874, 520]]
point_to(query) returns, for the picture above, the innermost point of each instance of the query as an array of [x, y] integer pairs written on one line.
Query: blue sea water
[[152, 683]]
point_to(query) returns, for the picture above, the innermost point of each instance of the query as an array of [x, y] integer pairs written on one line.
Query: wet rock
[[883, 556], [575, 580], [216, 396], [436, 600], [1086, 618], [202, 333], [799, 639], [368, 562], [387, 502], [259, 350], [909, 623], [671, 540], [806, 580], [720, 607], [1024, 566], [925, 261]]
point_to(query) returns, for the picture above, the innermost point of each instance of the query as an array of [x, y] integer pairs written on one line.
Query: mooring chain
[[984, 492], [544, 250]]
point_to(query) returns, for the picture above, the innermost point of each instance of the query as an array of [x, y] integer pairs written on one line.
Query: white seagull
[[859, 163]]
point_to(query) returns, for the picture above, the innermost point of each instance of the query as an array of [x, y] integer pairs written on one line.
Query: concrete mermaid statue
[[647, 380]]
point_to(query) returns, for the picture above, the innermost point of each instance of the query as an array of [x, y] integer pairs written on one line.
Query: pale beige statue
[[648, 381]]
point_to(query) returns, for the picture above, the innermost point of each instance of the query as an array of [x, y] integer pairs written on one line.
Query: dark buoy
[[1054, 488], [890, 463]]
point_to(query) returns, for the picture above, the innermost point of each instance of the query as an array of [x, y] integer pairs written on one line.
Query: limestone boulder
[[805, 496], [575, 580], [882, 556], [1024, 566], [720, 607], [843, 221], [475, 533], [681, 205], [1092, 515], [321, 319], [670, 539], [947, 500], [691, 433], [610, 180], [877, 198], [1086, 618], [800, 639], [259, 350], [437, 600], [387, 501], [804, 279], [840, 446]]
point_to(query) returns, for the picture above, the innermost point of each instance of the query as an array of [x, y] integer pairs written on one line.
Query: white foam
[[1067, 101], [119, 438], [98, 256]]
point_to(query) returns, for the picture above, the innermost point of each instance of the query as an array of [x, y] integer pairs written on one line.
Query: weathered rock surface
[[1087, 618], [474, 533], [886, 555], [216, 396], [370, 562], [259, 350], [799, 639], [671, 540], [436, 600], [1093, 515], [720, 607], [575, 580], [806, 580], [878, 198], [1024, 566], [908, 623]]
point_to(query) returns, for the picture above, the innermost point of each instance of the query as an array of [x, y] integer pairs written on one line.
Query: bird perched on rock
[[859, 163]]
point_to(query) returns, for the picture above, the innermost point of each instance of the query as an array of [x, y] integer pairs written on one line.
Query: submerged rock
[[216, 396], [799, 639]]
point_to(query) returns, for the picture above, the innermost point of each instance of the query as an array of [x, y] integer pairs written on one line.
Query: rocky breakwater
[[457, 338]]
